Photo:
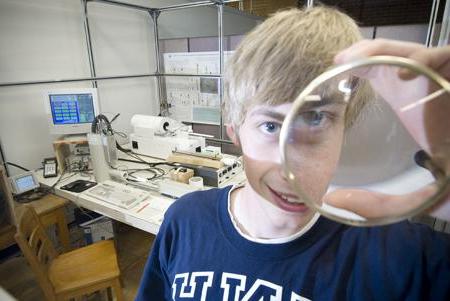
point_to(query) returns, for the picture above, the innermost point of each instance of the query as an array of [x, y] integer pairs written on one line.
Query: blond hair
[[278, 58]]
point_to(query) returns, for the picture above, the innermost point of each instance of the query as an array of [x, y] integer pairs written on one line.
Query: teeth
[[290, 200]]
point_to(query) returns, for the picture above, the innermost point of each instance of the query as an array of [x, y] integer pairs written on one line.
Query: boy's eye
[[270, 127], [313, 118]]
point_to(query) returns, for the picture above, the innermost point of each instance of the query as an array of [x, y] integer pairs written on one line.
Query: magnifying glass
[[376, 163]]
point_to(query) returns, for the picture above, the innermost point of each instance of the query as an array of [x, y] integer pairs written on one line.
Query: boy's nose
[[282, 173], [276, 157]]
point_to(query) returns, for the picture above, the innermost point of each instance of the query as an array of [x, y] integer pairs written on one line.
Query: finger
[[437, 59], [371, 204], [366, 48], [364, 203], [444, 70]]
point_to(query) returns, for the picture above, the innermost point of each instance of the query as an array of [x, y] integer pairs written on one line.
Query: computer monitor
[[71, 111], [24, 182]]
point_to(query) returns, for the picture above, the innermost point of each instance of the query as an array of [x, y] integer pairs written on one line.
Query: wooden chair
[[50, 210], [69, 275]]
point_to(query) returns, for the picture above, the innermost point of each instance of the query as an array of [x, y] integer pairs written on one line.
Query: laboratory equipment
[[50, 167], [181, 174], [159, 136], [102, 146], [117, 194], [71, 111], [369, 171], [24, 182]]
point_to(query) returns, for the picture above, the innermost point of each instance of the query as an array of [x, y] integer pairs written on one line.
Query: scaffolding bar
[[123, 4], [221, 65], [163, 105], [165, 8], [445, 26], [85, 79], [190, 75], [195, 4], [87, 34], [72, 80], [432, 23]]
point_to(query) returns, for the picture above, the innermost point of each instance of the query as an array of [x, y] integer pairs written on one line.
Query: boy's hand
[[437, 59], [436, 128]]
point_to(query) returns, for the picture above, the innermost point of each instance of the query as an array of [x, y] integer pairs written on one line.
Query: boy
[[258, 242]]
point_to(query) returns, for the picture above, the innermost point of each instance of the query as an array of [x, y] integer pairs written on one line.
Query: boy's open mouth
[[288, 201]]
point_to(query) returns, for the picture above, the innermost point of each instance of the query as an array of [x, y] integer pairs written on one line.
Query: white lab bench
[[147, 215]]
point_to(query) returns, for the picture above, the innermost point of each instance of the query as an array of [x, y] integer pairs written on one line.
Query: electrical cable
[[124, 150], [141, 161], [114, 118], [121, 134], [17, 166], [98, 124], [39, 192]]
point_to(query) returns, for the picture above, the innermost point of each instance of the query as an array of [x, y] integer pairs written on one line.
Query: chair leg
[[63, 231], [104, 296], [118, 290], [109, 294]]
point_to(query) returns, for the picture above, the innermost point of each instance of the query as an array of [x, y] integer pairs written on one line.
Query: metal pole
[[195, 4], [3, 160], [166, 8], [221, 59], [445, 26], [432, 23], [163, 105], [85, 79], [122, 4], [87, 34]]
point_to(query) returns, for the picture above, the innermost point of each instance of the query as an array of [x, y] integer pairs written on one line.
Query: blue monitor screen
[[72, 108], [25, 183]]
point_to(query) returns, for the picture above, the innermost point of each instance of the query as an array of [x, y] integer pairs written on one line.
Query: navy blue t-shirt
[[199, 255]]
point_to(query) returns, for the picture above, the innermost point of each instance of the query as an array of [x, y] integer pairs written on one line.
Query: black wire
[[121, 134], [122, 149], [156, 171], [132, 155], [40, 192], [99, 124], [17, 166], [114, 118], [149, 163]]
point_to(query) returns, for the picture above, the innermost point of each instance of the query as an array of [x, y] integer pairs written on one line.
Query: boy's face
[[317, 157]]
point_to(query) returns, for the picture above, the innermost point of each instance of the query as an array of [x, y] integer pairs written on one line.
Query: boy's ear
[[231, 132]]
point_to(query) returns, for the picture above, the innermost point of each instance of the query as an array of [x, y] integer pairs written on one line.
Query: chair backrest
[[36, 247]]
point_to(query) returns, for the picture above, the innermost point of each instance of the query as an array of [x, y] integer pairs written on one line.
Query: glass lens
[[367, 145]]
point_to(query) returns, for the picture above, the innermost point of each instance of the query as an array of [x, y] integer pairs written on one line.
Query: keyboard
[[117, 194]]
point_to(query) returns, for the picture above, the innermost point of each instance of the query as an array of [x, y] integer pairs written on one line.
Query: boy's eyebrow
[[269, 113], [307, 106], [324, 101]]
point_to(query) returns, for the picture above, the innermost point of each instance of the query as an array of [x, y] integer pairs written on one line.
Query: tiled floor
[[132, 245]]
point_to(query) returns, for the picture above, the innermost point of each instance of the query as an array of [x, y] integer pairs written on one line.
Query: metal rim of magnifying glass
[[444, 186]]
